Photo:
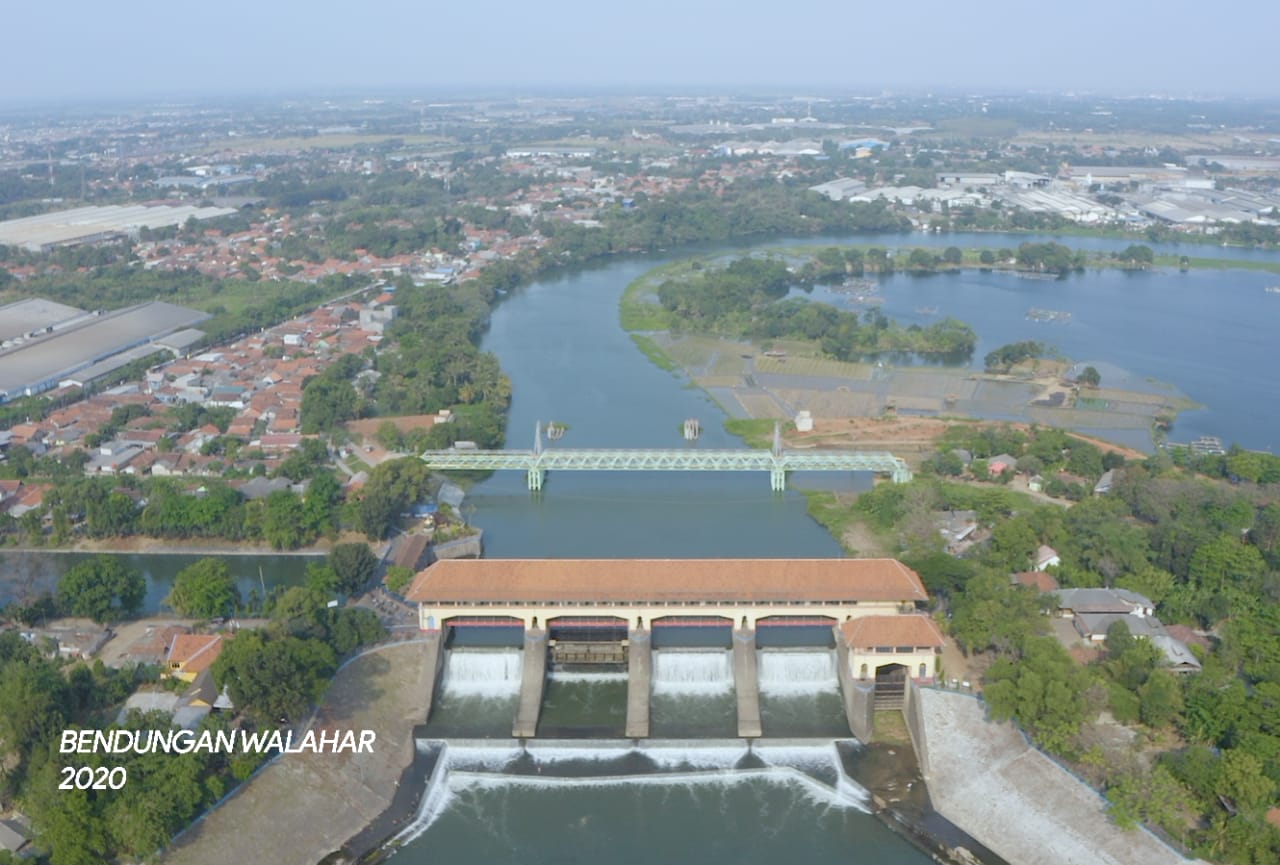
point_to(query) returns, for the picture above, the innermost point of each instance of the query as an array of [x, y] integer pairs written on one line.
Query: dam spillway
[[741, 690]]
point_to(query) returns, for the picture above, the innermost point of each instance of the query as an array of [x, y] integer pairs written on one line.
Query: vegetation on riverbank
[[654, 352], [745, 299], [272, 674], [755, 432], [1202, 759]]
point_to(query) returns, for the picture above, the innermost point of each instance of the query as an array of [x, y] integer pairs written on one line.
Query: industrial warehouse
[[44, 345], [97, 224]]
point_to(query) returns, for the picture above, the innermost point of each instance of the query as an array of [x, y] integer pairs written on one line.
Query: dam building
[[604, 612]]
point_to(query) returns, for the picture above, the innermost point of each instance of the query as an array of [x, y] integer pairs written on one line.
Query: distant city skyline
[[148, 49]]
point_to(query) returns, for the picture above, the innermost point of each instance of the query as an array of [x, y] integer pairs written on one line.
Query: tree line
[[1207, 552]]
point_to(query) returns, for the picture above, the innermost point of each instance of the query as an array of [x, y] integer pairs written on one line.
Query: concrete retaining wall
[[859, 697], [434, 647], [916, 728], [1015, 800], [471, 547]]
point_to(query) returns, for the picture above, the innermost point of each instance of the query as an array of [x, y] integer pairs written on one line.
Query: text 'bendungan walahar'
[[192, 742]]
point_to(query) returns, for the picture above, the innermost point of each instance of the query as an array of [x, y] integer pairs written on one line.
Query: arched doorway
[[891, 686]]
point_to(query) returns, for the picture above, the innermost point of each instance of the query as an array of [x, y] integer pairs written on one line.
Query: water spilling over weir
[[692, 673], [483, 673], [797, 672], [468, 774]]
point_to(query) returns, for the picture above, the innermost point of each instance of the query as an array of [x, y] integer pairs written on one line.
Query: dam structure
[[609, 620], [776, 460]]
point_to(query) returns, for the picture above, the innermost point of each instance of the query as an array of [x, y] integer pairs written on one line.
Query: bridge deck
[[777, 462]]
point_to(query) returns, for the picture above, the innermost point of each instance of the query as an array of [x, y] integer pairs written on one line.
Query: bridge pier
[[535, 479], [777, 479]]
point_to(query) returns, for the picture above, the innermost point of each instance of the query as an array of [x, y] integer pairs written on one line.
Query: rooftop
[[195, 652], [659, 580], [912, 630]]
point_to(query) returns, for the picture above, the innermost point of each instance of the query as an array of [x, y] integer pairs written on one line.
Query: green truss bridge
[[776, 461]]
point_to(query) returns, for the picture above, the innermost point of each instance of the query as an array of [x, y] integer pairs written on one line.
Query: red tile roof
[[195, 652], [646, 580], [1038, 580], [910, 630]]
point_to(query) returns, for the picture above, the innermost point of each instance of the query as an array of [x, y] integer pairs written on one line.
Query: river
[[1206, 332], [28, 574], [1210, 333]]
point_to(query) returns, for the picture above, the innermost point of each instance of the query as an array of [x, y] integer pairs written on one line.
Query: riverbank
[[140, 545], [900, 799], [749, 383], [1016, 800]]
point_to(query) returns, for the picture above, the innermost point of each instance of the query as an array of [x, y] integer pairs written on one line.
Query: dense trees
[[1206, 552], [102, 589], [1136, 254], [205, 589], [392, 487], [1007, 356], [746, 298], [1044, 690], [276, 678], [326, 403], [353, 564], [1052, 257], [39, 697]]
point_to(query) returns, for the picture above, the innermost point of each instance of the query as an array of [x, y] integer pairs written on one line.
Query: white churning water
[[692, 674], [478, 673], [785, 673]]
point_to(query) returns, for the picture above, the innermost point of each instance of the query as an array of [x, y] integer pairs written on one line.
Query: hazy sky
[[88, 49]]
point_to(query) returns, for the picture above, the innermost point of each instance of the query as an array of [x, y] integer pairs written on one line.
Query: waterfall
[[795, 674], [483, 673], [692, 673]]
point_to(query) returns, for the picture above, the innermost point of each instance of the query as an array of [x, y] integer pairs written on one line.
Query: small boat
[[1273, 289], [926, 310]]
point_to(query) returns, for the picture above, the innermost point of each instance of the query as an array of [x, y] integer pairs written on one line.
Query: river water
[[1209, 333], [28, 574]]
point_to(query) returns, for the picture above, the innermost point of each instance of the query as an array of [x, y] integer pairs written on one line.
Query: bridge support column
[[533, 679], [777, 480], [902, 474], [747, 683], [639, 676], [535, 478]]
